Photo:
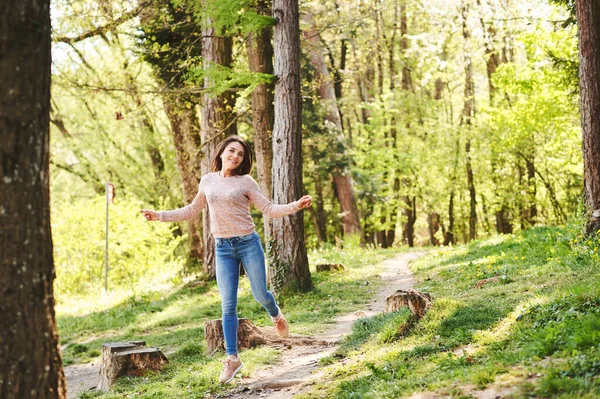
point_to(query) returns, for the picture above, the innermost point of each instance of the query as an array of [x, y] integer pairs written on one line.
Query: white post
[[106, 244]]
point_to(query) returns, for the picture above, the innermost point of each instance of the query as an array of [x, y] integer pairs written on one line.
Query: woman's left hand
[[305, 202]]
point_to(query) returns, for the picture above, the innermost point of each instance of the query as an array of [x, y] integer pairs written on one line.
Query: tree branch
[[101, 30]]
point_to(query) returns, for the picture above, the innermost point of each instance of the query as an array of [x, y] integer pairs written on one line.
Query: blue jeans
[[248, 251]]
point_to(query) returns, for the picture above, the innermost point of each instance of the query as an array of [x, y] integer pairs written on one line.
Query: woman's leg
[[253, 258], [228, 275]]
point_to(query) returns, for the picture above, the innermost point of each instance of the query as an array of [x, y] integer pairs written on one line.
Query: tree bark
[[185, 128], [531, 210], [433, 224], [449, 237], [319, 218], [288, 263], [260, 60], [180, 109], [341, 175], [410, 213], [468, 113], [408, 206], [31, 365], [217, 119]]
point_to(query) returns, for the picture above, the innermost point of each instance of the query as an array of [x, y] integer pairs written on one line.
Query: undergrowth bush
[[138, 251]]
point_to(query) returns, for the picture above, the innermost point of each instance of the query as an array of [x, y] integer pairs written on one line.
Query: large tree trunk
[[186, 137], [288, 263], [217, 119], [341, 175], [179, 108], [31, 365], [260, 60]]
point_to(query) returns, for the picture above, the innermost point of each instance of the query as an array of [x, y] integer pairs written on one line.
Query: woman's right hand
[[149, 214]]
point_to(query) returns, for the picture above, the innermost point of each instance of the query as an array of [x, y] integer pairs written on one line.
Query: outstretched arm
[[177, 215], [273, 210]]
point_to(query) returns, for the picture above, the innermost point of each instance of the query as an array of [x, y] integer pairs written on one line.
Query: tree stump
[[327, 267], [417, 302], [250, 336], [127, 358]]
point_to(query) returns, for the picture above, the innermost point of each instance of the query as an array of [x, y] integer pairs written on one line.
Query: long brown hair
[[246, 165]]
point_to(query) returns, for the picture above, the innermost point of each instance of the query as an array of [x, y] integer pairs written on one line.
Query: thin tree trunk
[[288, 262], [410, 212], [408, 230], [319, 218], [31, 365], [260, 60], [449, 237], [472, 194], [341, 176], [217, 120], [468, 113], [433, 224], [531, 210], [379, 52]]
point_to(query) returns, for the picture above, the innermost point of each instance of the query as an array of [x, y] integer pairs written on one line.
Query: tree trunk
[[410, 213], [217, 120], [531, 210], [433, 224], [341, 175], [408, 206], [468, 113], [450, 237], [379, 58], [288, 263], [472, 194], [185, 128], [319, 218], [31, 365], [260, 60], [179, 108]]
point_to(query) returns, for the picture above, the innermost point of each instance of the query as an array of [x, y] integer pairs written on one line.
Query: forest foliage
[[427, 158]]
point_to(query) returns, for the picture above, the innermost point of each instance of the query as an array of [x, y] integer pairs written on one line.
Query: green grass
[[173, 320], [537, 329]]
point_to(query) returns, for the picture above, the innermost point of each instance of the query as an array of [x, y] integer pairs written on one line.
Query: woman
[[228, 191]]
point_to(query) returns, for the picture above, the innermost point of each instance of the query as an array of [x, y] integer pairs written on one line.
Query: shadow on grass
[[459, 327]]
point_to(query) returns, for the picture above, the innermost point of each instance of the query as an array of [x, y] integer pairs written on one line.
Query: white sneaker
[[230, 368], [281, 325]]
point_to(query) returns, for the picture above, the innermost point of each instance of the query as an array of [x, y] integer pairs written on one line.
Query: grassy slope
[[173, 321], [536, 332]]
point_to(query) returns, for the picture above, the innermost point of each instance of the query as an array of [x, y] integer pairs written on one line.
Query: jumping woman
[[228, 191]]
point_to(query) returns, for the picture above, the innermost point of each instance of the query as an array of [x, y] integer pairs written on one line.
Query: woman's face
[[232, 156]]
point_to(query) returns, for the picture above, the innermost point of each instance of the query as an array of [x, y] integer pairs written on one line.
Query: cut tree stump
[[417, 302], [127, 358], [328, 267], [250, 336]]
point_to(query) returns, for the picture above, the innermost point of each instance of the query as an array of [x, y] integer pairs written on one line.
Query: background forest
[[423, 123]]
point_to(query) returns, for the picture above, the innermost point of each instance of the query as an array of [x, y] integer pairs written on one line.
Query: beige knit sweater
[[229, 200]]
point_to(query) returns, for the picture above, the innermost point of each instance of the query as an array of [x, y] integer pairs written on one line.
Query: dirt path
[[298, 368]]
